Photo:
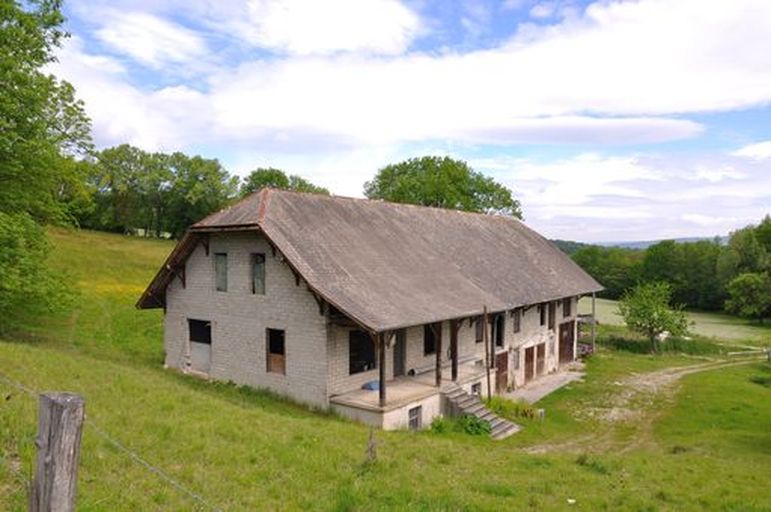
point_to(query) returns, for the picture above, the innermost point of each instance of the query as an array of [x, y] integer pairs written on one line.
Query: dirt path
[[631, 403]]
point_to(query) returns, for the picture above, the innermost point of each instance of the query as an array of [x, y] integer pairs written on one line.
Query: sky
[[610, 120]]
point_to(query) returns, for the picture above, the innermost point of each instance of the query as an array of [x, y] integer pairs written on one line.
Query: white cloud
[[757, 151], [543, 10], [717, 174], [310, 27], [600, 78], [168, 118], [148, 39]]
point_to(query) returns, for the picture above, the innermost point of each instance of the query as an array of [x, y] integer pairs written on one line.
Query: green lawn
[[705, 446], [717, 325]]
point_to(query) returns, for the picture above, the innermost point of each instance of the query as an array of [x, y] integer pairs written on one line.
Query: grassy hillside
[[606, 443]]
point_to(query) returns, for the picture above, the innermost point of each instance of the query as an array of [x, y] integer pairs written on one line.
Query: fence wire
[[134, 456]]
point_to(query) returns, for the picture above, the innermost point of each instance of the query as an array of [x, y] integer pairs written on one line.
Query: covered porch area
[[412, 400]]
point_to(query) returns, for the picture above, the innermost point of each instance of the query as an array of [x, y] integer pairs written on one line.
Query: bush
[[509, 409], [440, 425], [472, 425], [675, 345], [28, 287]]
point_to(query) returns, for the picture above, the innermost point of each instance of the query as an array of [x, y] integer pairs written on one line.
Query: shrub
[[440, 425], [472, 425], [509, 409], [27, 287]]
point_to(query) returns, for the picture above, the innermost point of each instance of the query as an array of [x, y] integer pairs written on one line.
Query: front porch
[[406, 390], [413, 401]]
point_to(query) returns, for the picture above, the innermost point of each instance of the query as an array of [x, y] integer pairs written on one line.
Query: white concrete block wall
[[339, 379], [240, 319]]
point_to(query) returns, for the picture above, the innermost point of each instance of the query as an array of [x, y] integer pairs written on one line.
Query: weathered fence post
[[60, 425]]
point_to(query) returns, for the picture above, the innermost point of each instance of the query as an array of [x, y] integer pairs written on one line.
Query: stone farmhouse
[[390, 314]]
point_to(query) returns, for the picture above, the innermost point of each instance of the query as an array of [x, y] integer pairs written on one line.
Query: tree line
[[706, 275]]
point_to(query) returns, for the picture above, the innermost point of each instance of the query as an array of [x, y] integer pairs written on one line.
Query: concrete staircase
[[461, 402]]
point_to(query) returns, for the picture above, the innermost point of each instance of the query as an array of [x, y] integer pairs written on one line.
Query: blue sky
[[610, 120]]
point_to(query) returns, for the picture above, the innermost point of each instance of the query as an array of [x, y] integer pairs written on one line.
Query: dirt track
[[631, 403]]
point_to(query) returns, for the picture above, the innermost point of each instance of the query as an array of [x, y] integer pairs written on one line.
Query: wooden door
[[567, 338], [399, 353], [501, 372], [540, 360], [529, 363]]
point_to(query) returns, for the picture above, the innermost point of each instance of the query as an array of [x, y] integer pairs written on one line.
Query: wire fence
[[131, 454]]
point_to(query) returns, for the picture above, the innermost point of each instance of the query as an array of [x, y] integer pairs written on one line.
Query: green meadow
[[686, 430]]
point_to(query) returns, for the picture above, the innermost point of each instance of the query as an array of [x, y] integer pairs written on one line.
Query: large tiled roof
[[389, 265]]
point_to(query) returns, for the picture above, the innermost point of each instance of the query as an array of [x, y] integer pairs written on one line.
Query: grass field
[[694, 442], [715, 325]]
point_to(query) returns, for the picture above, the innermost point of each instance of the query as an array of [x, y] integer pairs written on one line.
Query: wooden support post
[[438, 333], [487, 351], [491, 324], [594, 322], [382, 366], [454, 326], [60, 427]]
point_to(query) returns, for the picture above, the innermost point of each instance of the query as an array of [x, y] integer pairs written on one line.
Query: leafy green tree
[[750, 295], [763, 233], [42, 125], [27, 287], [646, 310], [199, 186], [276, 178], [442, 182], [617, 268]]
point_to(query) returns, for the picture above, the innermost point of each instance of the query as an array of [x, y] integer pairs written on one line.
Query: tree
[[442, 182], [199, 186], [646, 310], [750, 296], [27, 288], [617, 268], [42, 125], [276, 178]]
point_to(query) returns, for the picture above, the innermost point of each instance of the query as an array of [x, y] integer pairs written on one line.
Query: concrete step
[[474, 409], [505, 430], [467, 401], [496, 421]]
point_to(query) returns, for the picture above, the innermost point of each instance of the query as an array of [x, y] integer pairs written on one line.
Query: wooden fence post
[[60, 426]]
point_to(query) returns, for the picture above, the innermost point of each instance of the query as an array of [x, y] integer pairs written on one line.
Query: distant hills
[[569, 246]]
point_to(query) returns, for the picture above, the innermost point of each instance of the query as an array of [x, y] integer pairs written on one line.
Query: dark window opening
[[517, 320], [500, 322], [200, 331], [258, 274], [276, 351], [542, 312], [429, 338], [361, 352], [566, 307], [552, 314], [480, 325], [415, 417], [221, 271], [476, 389]]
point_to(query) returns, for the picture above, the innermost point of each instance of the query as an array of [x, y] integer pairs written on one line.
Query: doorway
[[529, 363], [567, 338], [540, 360], [199, 336], [501, 372], [400, 353]]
